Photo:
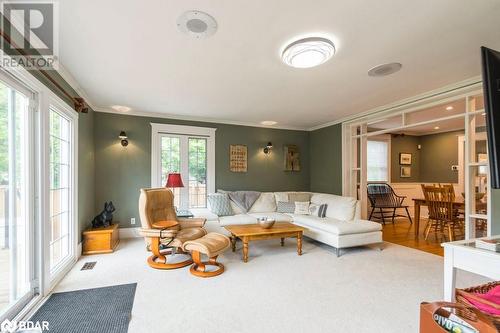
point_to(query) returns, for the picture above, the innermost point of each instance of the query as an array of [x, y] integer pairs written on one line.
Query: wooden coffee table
[[251, 232]]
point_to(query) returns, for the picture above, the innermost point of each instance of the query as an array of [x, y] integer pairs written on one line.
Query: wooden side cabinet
[[100, 240]]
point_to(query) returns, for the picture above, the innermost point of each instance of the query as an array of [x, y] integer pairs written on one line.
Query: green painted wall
[[439, 152], [86, 171], [405, 144], [120, 172], [326, 159]]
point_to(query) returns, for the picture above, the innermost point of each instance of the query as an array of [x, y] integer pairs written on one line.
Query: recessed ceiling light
[[436, 128], [197, 24], [308, 52], [385, 69], [121, 108], [449, 108], [268, 122]]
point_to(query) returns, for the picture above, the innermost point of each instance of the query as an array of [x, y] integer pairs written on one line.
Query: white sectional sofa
[[341, 228]]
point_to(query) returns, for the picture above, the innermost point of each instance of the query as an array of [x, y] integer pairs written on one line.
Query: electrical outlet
[[132, 220]]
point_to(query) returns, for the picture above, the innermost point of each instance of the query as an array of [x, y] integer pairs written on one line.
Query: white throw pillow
[[301, 208]]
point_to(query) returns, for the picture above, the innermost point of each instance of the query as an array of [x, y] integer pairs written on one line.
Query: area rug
[[106, 310]]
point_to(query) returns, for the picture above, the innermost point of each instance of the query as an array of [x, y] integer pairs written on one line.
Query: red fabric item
[[174, 180], [492, 296]]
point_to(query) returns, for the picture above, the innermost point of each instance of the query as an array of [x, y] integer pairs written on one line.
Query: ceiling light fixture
[[385, 69], [121, 108], [268, 122], [436, 128], [449, 108], [308, 52]]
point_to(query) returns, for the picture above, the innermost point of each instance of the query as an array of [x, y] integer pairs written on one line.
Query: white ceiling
[[129, 52]]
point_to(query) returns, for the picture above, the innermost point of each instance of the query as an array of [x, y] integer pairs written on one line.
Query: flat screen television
[[491, 86]]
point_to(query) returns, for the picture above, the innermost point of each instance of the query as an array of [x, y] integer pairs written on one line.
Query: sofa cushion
[[265, 203], [237, 219], [299, 196], [279, 217], [339, 207], [204, 213], [318, 210], [281, 196], [219, 204], [335, 226]]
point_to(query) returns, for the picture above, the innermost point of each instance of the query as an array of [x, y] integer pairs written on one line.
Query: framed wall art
[[292, 158], [404, 158], [238, 158]]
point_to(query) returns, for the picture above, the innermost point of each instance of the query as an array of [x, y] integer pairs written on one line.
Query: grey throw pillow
[[286, 207], [219, 204]]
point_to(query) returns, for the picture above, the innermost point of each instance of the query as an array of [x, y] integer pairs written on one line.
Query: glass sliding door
[[61, 189], [16, 200]]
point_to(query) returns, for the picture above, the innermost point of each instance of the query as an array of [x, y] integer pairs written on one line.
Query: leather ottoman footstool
[[211, 245]]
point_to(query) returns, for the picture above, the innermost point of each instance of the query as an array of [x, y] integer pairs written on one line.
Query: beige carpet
[[365, 290]]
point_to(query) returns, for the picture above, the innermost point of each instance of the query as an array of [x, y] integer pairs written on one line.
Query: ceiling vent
[[385, 69], [197, 24]]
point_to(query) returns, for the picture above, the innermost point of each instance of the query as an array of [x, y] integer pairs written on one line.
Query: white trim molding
[[157, 130]]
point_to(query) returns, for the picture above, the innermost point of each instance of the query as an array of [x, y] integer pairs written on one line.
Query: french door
[[190, 151], [17, 273], [186, 155]]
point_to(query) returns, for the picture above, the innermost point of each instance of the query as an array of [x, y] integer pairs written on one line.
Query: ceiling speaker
[[197, 24], [385, 69]]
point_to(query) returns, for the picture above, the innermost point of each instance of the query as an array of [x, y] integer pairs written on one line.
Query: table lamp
[[174, 180]]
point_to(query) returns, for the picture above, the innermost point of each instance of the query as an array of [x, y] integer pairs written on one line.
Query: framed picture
[[292, 158], [238, 158], [405, 172], [404, 158]]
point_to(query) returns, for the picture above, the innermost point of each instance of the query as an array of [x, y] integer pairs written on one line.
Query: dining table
[[458, 203]]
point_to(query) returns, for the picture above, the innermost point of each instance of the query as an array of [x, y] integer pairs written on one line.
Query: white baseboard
[[129, 233]]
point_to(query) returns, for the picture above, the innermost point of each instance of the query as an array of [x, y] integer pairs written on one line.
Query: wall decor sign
[[405, 158], [292, 158], [405, 172], [238, 158]]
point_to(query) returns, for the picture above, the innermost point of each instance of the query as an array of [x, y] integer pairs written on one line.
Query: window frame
[[158, 130]]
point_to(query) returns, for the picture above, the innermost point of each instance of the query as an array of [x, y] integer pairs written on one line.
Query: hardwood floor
[[402, 233]]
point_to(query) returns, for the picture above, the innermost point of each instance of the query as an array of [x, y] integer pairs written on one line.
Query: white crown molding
[[197, 119], [461, 86]]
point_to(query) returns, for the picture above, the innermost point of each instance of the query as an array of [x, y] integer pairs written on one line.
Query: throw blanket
[[244, 199]]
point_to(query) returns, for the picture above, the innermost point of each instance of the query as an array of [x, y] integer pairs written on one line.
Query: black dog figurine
[[105, 218]]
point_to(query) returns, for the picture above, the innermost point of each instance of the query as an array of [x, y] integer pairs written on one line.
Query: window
[[377, 161], [190, 151]]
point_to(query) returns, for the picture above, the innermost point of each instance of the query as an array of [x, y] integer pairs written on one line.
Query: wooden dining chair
[[442, 216]]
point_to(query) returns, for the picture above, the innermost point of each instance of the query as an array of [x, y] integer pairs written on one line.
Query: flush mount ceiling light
[[308, 52], [449, 108], [197, 24], [385, 69], [436, 128], [268, 122], [121, 108]]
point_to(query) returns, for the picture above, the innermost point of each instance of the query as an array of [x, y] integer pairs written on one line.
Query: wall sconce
[[124, 139], [267, 149]]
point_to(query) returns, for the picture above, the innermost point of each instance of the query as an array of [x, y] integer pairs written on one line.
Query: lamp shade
[[174, 180]]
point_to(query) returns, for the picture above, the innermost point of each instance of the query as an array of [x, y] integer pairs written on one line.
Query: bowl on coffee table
[[266, 222]]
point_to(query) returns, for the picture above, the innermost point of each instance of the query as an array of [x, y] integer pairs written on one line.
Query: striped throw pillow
[[318, 210]]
